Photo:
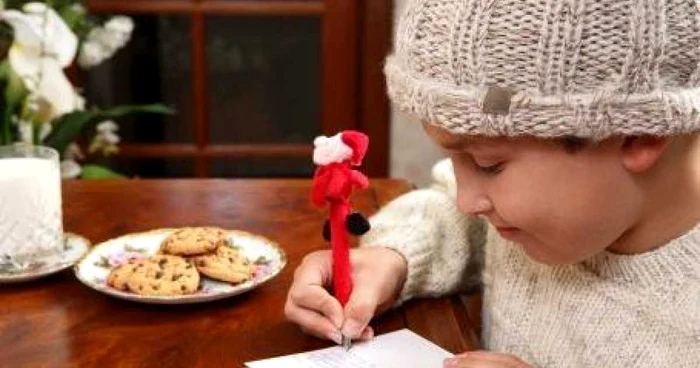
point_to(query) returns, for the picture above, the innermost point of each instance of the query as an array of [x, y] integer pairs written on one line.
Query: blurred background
[[252, 82]]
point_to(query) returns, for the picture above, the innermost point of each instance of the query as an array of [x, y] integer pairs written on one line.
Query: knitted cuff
[[418, 257], [408, 228]]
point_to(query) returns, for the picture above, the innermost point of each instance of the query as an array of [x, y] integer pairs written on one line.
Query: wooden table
[[58, 322]]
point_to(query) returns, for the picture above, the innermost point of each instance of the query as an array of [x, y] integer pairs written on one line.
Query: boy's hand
[[484, 359], [378, 276]]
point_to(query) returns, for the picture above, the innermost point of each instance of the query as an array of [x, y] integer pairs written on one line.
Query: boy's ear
[[640, 153]]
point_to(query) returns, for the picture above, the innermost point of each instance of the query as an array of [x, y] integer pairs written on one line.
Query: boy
[[571, 126]]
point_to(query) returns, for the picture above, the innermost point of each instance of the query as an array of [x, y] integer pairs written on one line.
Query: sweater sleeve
[[443, 247]]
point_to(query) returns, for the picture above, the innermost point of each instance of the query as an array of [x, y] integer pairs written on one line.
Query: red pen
[[333, 183]]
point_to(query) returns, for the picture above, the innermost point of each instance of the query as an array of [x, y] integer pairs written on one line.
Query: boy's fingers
[[367, 334], [313, 323], [358, 312], [316, 298], [315, 270]]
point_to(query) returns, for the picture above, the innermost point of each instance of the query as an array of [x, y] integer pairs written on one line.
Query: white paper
[[397, 349]]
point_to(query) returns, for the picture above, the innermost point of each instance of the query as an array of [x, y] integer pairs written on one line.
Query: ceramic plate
[[268, 259], [75, 247]]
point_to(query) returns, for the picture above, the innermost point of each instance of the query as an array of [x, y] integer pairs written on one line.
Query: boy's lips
[[507, 231]]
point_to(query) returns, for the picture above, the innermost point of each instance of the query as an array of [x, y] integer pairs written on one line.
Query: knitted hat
[[549, 68]]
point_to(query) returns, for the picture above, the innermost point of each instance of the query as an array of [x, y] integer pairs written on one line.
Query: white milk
[[30, 207]]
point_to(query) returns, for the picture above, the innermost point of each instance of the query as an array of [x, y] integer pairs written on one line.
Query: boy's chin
[[549, 258]]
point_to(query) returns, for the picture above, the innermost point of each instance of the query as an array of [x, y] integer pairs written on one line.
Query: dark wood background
[[354, 39]]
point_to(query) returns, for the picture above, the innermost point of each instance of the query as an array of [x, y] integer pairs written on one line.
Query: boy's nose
[[474, 205]]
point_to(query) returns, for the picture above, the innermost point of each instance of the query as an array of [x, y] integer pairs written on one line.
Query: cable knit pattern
[[587, 68], [609, 311]]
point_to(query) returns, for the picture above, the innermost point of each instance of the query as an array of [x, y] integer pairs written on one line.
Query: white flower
[[73, 152], [54, 34], [102, 42], [109, 40], [111, 138], [91, 54], [25, 130], [120, 24], [78, 9], [43, 45], [44, 130], [106, 139], [107, 126], [32, 103], [70, 169], [79, 102]]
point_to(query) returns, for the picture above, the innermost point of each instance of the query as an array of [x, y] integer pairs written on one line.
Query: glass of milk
[[31, 221]]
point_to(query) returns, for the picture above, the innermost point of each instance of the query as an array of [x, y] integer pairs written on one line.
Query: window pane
[[154, 67], [262, 168], [264, 79]]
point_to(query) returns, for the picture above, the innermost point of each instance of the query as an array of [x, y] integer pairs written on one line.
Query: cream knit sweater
[[610, 311]]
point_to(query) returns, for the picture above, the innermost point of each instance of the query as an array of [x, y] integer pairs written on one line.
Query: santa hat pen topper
[[333, 182]]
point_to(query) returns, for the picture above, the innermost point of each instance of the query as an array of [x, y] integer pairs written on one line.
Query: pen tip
[[347, 343]]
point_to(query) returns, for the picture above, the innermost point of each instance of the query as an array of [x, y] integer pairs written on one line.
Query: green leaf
[[72, 17], [96, 172], [120, 111], [14, 94], [67, 127]]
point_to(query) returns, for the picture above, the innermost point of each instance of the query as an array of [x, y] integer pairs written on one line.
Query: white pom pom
[[330, 149]]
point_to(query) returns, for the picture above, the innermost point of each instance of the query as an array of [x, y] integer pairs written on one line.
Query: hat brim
[[604, 113]]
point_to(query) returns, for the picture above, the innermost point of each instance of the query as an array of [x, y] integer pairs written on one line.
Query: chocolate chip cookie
[[193, 241], [119, 276], [225, 264], [163, 275]]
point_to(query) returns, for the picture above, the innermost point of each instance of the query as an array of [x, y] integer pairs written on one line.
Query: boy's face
[[561, 207]]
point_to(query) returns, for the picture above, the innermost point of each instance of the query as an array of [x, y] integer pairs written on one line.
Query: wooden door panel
[[264, 80], [219, 7], [262, 167], [154, 67], [313, 67]]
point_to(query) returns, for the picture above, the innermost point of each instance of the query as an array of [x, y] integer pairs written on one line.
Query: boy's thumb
[[358, 312]]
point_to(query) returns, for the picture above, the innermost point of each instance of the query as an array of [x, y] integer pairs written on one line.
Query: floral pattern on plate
[[269, 260]]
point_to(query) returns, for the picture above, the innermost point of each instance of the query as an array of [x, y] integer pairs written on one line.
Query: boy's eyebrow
[[463, 143], [453, 144], [449, 141]]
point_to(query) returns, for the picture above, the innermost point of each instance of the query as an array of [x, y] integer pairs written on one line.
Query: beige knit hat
[[549, 68]]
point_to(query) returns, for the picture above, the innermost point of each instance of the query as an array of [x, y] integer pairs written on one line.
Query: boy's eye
[[489, 169]]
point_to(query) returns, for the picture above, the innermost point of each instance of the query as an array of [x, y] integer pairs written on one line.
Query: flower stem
[[5, 138]]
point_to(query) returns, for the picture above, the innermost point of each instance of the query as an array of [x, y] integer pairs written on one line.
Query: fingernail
[[367, 334], [336, 337], [450, 363], [352, 328]]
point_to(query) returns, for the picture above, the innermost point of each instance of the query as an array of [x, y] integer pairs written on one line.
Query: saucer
[[75, 247]]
